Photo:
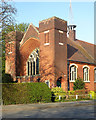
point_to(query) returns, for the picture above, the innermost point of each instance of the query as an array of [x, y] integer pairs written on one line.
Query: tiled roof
[[76, 50], [80, 51]]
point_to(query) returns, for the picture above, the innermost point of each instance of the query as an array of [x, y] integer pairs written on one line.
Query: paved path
[[83, 109]]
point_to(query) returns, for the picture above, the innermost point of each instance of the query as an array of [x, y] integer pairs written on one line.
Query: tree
[[78, 84], [7, 12], [17, 27], [21, 27], [6, 19]]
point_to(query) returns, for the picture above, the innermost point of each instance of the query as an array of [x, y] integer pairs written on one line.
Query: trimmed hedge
[[22, 93]]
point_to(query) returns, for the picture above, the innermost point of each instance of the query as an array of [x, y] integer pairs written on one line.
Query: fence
[[74, 96]]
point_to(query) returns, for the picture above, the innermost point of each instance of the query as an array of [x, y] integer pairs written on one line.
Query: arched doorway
[[59, 81]]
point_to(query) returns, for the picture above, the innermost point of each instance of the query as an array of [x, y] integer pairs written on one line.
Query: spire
[[71, 26], [70, 14]]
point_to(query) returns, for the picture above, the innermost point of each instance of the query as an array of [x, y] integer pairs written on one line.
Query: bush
[[71, 92], [79, 84], [93, 94], [81, 92], [6, 78], [56, 92], [22, 93]]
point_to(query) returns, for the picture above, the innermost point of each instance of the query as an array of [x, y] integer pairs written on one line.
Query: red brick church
[[50, 54]]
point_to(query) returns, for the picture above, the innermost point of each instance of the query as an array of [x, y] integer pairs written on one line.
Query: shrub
[[80, 92], [78, 84], [71, 92], [56, 92], [7, 78], [22, 93], [93, 94]]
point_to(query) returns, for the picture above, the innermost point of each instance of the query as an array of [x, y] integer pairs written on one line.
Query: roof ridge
[[85, 42]]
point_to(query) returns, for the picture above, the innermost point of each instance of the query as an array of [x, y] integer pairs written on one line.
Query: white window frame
[[85, 66], [34, 60], [61, 43], [60, 31], [71, 72], [94, 75], [9, 52], [45, 33], [46, 43], [47, 81]]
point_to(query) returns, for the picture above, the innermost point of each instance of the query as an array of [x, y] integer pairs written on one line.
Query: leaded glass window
[[33, 63]]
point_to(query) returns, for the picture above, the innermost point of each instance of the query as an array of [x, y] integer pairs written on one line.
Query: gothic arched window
[[33, 63]]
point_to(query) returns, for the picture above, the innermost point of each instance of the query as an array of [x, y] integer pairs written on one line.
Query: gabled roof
[[80, 51], [32, 31]]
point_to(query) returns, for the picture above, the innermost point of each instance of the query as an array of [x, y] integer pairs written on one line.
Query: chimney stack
[[72, 32]]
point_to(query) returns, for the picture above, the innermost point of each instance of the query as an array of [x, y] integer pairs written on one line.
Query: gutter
[[81, 62]]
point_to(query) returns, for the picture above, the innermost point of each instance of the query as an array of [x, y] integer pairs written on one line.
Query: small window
[[46, 37], [48, 83], [86, 74], [31, 68], [10, 48], [95, 75], [61, 37], [34, 67], [73, 73], [37, 66], [28, 68]]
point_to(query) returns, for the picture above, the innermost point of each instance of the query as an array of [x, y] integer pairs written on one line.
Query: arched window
[[73, 72], [86, 74], [95, 75], [33, 63]]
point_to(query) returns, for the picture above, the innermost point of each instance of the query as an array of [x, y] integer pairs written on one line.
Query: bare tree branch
[[7, 13]]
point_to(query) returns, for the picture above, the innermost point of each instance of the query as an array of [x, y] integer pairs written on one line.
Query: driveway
[[83, 109]]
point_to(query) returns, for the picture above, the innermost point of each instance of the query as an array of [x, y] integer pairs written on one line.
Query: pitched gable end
[[31, 32]]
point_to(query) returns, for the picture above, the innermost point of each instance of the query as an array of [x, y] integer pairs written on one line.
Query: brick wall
[[12, 51], [88, 85], [53, 61]]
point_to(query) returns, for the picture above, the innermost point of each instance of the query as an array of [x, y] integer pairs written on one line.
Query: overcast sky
[[83, 15]]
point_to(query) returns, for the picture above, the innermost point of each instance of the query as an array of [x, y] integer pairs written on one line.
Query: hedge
[[22, 93]]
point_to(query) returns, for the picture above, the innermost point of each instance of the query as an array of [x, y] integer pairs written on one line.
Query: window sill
[[46, 43], [61, 44], [32, 75], [87, 81], [9, 52], [94, 81], [72, 80]]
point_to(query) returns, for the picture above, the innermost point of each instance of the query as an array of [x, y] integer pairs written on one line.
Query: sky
[[83, 15]]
